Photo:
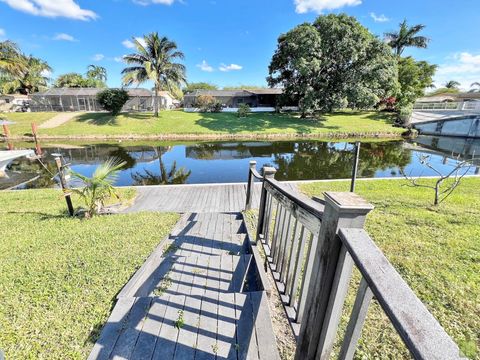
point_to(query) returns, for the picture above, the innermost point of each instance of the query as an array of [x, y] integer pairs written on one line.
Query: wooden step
[[205, 325]]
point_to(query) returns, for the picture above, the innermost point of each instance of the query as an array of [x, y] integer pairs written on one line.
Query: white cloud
[[118, 59], [2, 32], [148, 2], [205, 67], [129, 44], [463, 67], [304, 6], [230, 67], [64, 37], [52, 8], [379, 18], [98, 57]]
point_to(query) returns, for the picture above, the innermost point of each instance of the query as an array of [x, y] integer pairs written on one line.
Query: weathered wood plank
[[267, 346], [112, 329], [226, 339], [246, 335]]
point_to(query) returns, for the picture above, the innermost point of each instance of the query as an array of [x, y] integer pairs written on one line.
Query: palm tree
[[475, 87], [34, 77], [98, 188], [406, 37], [155, 60], [452, 84], [12, 62], [97, 73], [174, 176]]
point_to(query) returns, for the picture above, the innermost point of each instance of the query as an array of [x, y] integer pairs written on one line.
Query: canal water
[[227, 162]]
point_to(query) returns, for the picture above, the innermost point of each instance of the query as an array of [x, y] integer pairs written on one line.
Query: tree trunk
[[155, 101]]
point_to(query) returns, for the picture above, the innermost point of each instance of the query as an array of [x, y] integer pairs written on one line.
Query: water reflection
[[162, 163]]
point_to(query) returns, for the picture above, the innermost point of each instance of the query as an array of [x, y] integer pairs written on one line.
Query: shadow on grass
[[99, 119]]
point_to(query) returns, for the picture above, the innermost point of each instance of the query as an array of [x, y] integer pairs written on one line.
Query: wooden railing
[[311, 248]]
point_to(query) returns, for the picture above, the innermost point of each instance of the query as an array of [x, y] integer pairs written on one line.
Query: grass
[[59, 276], [436, 250], [23, 121], [179, 123]]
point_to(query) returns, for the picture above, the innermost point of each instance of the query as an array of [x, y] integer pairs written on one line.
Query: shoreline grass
[[59, 275], [435, 249], [177, 125]]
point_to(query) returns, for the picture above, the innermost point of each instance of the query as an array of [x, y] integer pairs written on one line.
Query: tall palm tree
[[406, 37], [12, 62], [155, 60], [452, 84], [97, 72], [34, 77]]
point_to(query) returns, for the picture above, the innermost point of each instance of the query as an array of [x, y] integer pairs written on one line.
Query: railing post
[[268, 173], [331, 270], [251, 182]]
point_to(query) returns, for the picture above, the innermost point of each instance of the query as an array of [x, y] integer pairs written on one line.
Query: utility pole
[[355, 166], [63, 185]]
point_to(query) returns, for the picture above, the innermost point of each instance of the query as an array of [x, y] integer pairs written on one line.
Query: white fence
[[460, 105]]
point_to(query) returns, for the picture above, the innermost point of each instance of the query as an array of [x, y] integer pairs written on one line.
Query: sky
[[228, 42]]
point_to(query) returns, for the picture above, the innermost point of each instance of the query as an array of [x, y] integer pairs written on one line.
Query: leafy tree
[[113, 100], [155, 60], [98, 188], [331, 64], [97, 73], [405, 37], [444, 90], [243, 110], [452, 84], [191, 87], [76, 80], [414, 77], [475, 87]]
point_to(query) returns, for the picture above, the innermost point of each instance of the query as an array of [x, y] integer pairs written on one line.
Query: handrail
[[421, 332], [311, 247]]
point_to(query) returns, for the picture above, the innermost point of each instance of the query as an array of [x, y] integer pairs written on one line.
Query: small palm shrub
[[98, 188], [243, 110]]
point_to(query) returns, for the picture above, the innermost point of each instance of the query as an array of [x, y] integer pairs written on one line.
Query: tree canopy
[[191, 87], [414, 77], [76, 80], [333, 63]]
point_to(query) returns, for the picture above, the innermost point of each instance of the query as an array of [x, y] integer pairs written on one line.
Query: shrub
[[404, 115], [113, 100], [204, 102], [243, 110], [216, 107]]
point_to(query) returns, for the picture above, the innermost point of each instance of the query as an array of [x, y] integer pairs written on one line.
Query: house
[[169, 101], [258, 99], [469, 101], [13, 102], [85, 99]]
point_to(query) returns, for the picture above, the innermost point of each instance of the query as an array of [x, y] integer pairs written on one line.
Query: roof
[[451, 96], [236, 93], [165, 93], [89, 92]]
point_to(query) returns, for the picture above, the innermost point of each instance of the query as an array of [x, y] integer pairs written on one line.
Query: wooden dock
[[197, 295]]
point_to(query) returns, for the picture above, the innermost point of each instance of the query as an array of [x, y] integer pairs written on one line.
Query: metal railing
[[311, 248]]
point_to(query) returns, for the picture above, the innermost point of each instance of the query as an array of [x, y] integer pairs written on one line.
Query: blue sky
[[227, 42]]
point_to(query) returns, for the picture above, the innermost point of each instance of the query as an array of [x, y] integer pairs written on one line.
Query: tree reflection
[[164, 177]]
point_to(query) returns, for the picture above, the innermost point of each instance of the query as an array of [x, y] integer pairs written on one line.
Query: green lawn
[[179, 123], [23, 121], [59, 276], [436, 250]]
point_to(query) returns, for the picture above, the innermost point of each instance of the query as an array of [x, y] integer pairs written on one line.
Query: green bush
[[113, 100], [243, 110], [207, 103], [404, 115]]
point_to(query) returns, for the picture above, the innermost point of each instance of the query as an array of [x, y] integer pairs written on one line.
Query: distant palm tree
[[452, 84], [475, 87], [406, 37], [97, 72], [155, 60]]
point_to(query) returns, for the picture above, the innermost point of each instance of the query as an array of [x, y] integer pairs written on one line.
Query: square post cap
[[269, 172], [347, 202]]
